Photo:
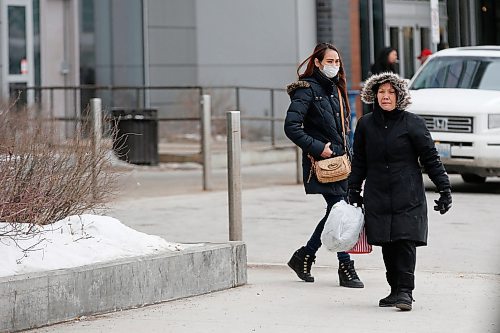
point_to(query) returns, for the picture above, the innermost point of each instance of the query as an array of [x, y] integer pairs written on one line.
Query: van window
[[459, 72]]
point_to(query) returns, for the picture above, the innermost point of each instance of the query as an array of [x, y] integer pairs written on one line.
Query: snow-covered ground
[[77, 241]]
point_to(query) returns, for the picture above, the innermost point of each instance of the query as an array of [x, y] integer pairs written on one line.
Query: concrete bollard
[[96, 111], [234, 174], [206, 135]]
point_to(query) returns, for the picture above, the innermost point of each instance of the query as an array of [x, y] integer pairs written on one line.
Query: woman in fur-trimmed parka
[[390, 146], [313, 122]]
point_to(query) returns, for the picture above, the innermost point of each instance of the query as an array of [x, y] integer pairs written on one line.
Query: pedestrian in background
[[313, 122], [390, 145], [386, 61], [424, 55]]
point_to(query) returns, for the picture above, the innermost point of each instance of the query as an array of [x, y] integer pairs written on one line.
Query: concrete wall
[[59, 57], [52, 57], [252, 43], [171, 60], [306, 28], [341, 21], [119, 48], [226, 43], [38, 299], [171, 33]]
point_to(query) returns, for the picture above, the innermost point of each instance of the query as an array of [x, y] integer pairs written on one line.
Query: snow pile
[[77, 241]]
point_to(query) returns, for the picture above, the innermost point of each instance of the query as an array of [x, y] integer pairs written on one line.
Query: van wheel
[[472, 178]]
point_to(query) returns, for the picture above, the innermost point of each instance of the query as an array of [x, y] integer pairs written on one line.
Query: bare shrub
[[44, 177]]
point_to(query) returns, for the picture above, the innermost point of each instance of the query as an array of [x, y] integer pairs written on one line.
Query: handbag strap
[[342, 119], [313, 161]]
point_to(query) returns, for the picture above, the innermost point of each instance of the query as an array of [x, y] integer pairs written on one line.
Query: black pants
[[400, 258]]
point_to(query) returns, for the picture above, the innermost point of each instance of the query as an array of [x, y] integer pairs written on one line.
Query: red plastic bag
[[362, 245]]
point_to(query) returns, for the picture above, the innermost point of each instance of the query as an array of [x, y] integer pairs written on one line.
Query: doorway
[[408, 29], [409, 41]]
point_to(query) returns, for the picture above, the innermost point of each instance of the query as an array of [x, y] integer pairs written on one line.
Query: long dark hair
[[319, 53], [382, 62]]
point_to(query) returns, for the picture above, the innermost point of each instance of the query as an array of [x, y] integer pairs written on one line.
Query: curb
[[39, 299]]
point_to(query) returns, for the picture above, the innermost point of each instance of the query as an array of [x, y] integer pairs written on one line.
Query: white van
[[457, 92]]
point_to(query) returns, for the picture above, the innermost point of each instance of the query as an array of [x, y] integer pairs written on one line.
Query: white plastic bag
[[342, 228]]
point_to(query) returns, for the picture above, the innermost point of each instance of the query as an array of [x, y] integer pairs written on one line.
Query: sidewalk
[[457, 278], [274, 301]]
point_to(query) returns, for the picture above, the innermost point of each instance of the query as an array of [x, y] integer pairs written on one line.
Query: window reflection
[[452, 72]]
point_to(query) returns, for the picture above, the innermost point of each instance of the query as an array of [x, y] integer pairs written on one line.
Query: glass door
[[17, 54]]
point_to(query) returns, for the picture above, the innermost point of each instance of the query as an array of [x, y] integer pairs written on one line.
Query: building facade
[[118, 43]]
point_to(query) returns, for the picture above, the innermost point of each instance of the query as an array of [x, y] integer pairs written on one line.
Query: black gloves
[[443, 204], [354, 197]]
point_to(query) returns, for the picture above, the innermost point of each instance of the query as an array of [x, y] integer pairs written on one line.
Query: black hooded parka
[[389, 149], [312, 120]]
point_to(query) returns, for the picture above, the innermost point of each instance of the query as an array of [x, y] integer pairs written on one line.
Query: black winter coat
[[312, 120], [388, 150]]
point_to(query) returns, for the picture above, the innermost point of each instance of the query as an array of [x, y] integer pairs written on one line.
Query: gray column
[[206, 139], [234, 175]]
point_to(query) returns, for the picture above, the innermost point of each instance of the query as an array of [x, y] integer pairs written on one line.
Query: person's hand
[[354, 197], [443, 204], [327, 152]]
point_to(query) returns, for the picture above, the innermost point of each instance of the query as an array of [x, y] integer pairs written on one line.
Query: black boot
[[404, 300], [348, 276], [301, 263], [406, 284], [391, 299]]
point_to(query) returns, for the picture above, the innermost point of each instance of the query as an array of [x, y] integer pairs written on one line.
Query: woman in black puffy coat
[[314, 123], [391, 146]]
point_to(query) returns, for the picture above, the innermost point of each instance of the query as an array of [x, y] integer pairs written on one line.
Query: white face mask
[[330, 71]]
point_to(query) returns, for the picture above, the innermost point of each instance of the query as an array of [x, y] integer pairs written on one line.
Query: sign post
[[435, 24]]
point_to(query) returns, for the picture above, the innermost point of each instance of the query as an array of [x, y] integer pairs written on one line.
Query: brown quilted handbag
[[332, 169]]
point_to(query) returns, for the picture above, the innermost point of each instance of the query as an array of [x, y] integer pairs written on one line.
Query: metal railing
[[69, 104]]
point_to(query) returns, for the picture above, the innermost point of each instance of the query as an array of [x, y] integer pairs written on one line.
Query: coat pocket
[[409, 191]]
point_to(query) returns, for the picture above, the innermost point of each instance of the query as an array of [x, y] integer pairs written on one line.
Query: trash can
[[135, 138]]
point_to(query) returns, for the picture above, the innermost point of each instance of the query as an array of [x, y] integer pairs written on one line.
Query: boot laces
[[308, 261], [349, 271]]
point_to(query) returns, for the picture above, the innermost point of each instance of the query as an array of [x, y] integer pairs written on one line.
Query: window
[[489, 78], [17, 38], [459, 72]]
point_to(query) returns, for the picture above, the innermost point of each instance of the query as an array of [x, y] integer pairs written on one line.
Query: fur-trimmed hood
[[368, 93], [295, 85]]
